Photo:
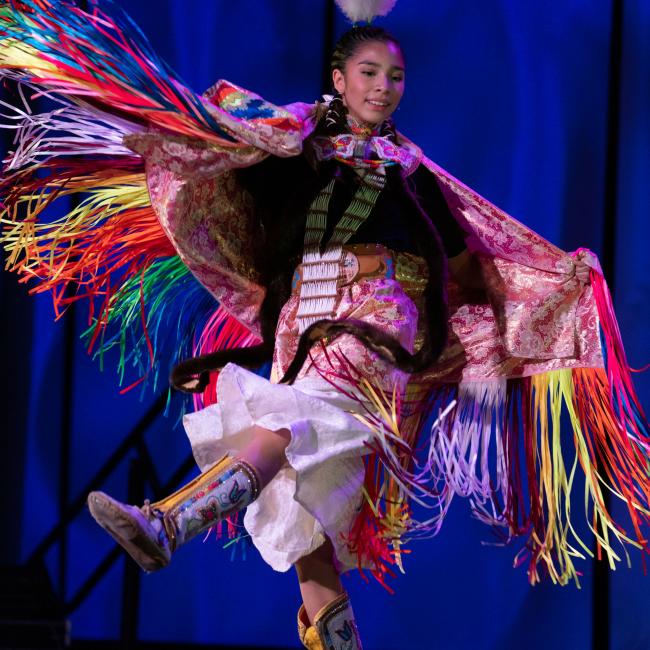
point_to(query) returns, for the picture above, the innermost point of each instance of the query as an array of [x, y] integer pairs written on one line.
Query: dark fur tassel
[[193, 375], [384, 345]]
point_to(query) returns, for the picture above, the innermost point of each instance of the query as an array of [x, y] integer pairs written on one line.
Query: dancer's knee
[[265, 451]]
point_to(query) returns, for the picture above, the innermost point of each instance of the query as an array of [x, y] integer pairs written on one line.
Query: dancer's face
[[372, 82]]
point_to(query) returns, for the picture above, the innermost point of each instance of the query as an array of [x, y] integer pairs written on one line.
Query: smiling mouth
[[378, 104]]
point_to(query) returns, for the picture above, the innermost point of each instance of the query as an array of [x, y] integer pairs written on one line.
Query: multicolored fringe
[[499, 443], [503, 445], [103, 60], [221, 332], [102, 81], [110, 251]]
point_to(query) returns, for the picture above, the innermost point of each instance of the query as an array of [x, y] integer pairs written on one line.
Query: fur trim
[[384, 345], [193, 375]]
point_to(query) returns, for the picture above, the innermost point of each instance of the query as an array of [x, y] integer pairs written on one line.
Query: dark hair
[[353, 39], [334, 121], [285, 240]]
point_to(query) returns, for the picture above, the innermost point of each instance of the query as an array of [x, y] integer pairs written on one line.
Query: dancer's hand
[[582, 272], [582, 269]]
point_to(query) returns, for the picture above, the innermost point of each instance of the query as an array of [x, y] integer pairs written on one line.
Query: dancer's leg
[[326, 619], [265, 452], [319, 580], [150, 534]]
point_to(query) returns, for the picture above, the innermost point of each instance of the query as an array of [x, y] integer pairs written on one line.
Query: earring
[[333, 112]]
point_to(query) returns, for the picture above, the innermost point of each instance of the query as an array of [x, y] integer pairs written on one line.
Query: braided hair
[[430, 247], [353, 39], [286, 243]]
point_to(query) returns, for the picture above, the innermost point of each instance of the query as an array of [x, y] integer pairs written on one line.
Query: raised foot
[[141, 536]]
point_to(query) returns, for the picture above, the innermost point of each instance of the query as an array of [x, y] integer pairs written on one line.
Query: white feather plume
[[365, 10]]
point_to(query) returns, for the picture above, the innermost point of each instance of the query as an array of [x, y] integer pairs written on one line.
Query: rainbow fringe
[[103, 60], [110, 251], [502, 445], [107, 248]]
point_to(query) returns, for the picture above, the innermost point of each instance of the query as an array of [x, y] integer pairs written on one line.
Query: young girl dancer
[[332, 239]]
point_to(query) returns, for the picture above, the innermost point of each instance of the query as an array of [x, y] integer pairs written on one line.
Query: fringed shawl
[[161, 208]]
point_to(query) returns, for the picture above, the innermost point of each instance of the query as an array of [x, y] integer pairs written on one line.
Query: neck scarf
[[372, 152], [365, 148]]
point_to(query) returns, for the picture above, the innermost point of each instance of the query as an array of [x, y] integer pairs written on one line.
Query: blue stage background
[[513, 99]]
